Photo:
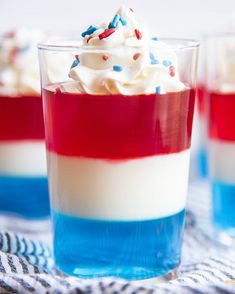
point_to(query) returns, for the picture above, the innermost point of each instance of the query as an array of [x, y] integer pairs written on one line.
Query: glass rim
[[177, 44]]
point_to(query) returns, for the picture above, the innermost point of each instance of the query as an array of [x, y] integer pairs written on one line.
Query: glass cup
[[23, 178], [220, 88], [118, 170]]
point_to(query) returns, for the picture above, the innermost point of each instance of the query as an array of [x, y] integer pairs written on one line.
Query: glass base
[[172, 275], [145, 281], [24, 197], [132, 250]]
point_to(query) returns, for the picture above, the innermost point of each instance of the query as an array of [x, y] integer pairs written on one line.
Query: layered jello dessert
[[221, 93], [118, 134], [202, 119], [23, 181]]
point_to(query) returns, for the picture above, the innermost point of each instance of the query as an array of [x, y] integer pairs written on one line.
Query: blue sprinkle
[[158, 90], [155, 61], [155, 38], [89, 31], [151, 55], [166, 62], [123, 21], [117, 68], [75, 63], [24, 49], [114, 22]]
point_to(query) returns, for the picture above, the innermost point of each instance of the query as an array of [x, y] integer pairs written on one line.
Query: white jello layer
[[23, 158], [146, 188], [222, 161]]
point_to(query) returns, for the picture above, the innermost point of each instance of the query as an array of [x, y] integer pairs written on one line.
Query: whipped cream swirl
[[120, 57], [19, 68]]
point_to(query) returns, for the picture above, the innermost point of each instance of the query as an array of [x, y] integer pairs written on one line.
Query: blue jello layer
[[24, 196], [202, 162], [127, 249], [223, 207]]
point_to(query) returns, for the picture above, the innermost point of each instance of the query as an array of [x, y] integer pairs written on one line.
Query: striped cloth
[[26, 264]]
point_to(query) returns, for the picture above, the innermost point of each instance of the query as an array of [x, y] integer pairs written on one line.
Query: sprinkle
[[158, 90], [88, 39], [10, 34], [172, 70], [24, 49], [114, 22], [153, 58], [166, 62], [151, 55], [117, 68], [131, 10], [154, 61], [13, 53], [136, 56], [77, 57], [123, 21], [155, 38], [105, 57], [106, 34], [89, 31], [75, 63], [57, 90], [138, 34]]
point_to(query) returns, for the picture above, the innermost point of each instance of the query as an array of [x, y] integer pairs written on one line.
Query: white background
[[178, 18]]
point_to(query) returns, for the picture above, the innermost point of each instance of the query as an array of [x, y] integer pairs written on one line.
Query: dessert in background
[[202, 121], [221, 129], [201, 117], [23, 179]]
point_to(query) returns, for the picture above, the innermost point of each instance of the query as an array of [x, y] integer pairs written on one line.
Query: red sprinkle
[[77, 57], [136, 56], [88, 39], [13, 53], [138, 34], [10, 34], [105, 57], [57, 90], [106, 33], [172, 70]]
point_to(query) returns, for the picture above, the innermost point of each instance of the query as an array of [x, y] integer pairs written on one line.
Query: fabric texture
[[26, 263]]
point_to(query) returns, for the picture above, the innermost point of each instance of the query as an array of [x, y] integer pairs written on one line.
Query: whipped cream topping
[[120, 57], [19, 68]]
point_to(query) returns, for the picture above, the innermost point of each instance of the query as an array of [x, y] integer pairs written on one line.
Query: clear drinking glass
[[118, 170], [220, 90], [23, 176]]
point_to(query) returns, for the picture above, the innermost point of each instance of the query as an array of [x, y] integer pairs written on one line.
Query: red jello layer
[[201, 99], [21, 118], [118, 126], [222, 116]]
